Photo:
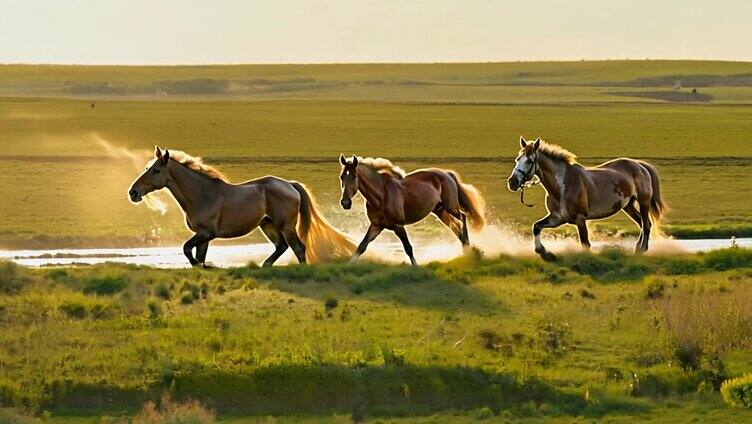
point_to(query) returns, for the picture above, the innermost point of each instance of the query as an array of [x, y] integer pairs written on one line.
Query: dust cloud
[[155, 200]]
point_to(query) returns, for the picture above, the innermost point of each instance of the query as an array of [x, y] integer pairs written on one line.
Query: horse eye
[[156, 171]]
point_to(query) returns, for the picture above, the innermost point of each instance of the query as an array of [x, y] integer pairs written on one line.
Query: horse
[[215, 208], [395, 199], [576, 194]]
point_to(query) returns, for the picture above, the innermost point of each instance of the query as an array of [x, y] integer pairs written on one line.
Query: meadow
[[605, 337], [608, 337], [73, 191]]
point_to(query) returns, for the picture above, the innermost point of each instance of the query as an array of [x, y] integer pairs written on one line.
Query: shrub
[[733, 257], [737, 392], [682, 267], [163, 291], [483, 413], [331, 303], [654, 289], [10, 280], [169, 412], [490, 339], [590, 264], [392, 356], [554, 337], [187, 299], [58, 274], [73, 309], [105, 285], [713, 371], [586, 294], [154, 309], [191, 289], [214, 343], [80, 308]]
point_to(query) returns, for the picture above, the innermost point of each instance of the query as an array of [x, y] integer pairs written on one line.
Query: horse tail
[[471, 202], [323, 242], [658, 206]]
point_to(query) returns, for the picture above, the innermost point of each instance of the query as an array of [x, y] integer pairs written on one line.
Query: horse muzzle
[[513, 184], [134, 195], [346, 204]]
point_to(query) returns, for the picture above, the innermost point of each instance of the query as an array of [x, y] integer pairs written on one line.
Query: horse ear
[[166, 157], [537, 144], [342, 159], [355, 160], [523, 143], [157, 152]]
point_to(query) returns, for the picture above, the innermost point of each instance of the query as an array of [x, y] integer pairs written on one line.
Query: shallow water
[[236, 255]]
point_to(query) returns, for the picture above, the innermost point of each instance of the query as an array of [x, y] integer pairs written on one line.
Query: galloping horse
[[394, 199], [575, 194], [214, 208]]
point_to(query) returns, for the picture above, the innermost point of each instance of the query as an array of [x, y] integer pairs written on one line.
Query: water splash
[[155, 200]]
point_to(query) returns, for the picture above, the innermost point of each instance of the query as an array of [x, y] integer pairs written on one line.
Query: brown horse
[[214, 208], [394, 199], [575, 194]]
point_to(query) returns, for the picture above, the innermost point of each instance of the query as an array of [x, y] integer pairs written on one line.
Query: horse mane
[[555, 151], [195, 163], [381, 165]]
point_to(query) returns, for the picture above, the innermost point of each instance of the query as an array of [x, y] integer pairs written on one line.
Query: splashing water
[[154, 200]]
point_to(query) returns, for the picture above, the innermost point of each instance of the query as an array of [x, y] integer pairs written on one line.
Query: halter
[[530, 180]]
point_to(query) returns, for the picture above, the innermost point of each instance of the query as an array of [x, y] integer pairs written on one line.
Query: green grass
[[518, 337], [294, 120], [73, 195], [36, 77], [609, 337]]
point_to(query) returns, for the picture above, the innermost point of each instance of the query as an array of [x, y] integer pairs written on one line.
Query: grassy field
[[608, 337], [73, 194], [48, 79]]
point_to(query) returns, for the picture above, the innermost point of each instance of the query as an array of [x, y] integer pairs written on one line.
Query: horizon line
[[370, 62]]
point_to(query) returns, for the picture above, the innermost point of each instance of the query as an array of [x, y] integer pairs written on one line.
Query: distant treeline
[[171, 87], [197, 86], [210, 86]]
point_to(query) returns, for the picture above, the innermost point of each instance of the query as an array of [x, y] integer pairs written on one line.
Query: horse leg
[[372, 233], [291, 237], [582, 231], [634, 214], [196, 240], [460, 216], [402, 234], [274, 236], [447, 219], [201, 250], [549, 221], [646, 226], [188, 249]]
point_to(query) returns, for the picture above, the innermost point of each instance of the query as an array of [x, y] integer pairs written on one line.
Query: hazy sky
[[306, 31]]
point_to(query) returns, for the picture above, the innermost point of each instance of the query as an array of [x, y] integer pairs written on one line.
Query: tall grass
[[469, 334], [706, 322]]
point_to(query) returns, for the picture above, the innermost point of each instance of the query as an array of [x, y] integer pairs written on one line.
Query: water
[[237, 255]]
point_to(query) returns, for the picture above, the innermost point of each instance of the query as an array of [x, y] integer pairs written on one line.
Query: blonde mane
[[555, 151], [381, 165], [196, 164]]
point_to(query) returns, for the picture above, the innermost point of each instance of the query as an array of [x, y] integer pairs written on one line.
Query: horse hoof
[[547, 256], [207, 266]]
